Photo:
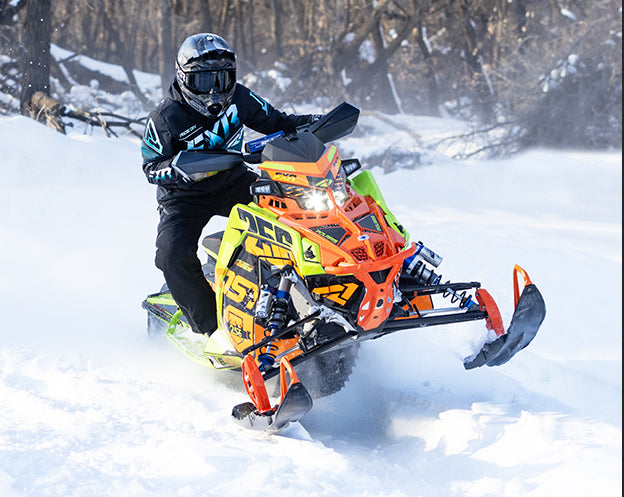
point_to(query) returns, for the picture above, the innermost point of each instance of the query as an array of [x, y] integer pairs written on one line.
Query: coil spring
[[278, 314], [428, 277], [276, 321], [266, 358]]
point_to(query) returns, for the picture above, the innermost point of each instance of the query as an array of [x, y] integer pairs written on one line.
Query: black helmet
[[206, 73]]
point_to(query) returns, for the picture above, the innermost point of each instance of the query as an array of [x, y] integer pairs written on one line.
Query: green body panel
[[364, 183], [162, 298], [261, 223], [238, 227], [200, 349]]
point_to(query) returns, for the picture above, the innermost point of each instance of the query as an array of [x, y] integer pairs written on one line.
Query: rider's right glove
[[166, 174]]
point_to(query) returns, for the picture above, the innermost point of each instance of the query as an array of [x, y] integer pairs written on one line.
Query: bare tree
[[35, 40], [473, 58], [166, 49]]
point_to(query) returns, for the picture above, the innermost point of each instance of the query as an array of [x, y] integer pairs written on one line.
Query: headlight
[[310, 199], [315, 200]]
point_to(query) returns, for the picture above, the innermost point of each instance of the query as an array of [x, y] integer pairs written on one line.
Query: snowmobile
[[315, 265]]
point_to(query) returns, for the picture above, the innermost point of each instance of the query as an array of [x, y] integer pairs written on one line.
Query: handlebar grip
[[253, 157]]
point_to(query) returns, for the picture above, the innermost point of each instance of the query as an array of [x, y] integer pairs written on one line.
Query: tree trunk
[[35, 39], [377, 76], [432, 98], [166, 49], [278, 29]]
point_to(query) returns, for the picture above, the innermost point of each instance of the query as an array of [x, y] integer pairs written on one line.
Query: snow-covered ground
[[89, 407]]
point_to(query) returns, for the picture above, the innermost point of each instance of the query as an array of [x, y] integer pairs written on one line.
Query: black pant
[[182, 219]]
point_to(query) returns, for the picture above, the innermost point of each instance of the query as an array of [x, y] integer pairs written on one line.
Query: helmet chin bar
[[206, 108]]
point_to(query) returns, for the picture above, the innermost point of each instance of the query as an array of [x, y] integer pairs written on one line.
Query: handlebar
[[194, 164]]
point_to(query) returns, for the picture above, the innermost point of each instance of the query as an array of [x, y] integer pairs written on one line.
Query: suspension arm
[[280, 333], [424, 321], [418, 289]]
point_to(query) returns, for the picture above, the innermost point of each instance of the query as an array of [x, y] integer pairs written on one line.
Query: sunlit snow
[[89, 407]]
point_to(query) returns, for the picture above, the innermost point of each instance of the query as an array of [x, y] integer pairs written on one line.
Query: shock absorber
[[415, 266], [422, 253], [276, 317], [265, 299]]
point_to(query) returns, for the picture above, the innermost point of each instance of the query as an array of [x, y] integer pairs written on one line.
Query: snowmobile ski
[[530, 311]]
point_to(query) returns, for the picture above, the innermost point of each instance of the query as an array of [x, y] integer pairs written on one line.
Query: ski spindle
[[254, 384]]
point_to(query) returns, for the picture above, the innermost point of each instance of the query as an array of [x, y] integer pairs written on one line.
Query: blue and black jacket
[[174, 127]]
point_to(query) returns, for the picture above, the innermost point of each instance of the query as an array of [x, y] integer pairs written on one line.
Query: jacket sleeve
[[262, 117], [158, 153]]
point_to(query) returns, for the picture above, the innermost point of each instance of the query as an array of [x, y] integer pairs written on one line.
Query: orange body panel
[[348, 246]]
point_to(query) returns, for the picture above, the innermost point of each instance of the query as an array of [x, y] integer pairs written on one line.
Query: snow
[[90, 407], [569, 14], [111, 70], [366, 51], [91, 98]]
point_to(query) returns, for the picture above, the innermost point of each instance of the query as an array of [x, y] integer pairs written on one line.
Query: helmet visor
[[218, 81]]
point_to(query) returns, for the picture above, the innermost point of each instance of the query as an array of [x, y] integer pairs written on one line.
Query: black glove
[[165, 174]]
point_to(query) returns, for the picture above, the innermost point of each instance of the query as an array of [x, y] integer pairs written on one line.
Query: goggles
[[218, 81]]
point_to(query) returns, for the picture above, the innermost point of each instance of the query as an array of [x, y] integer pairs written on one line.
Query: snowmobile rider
[[205, 110]]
